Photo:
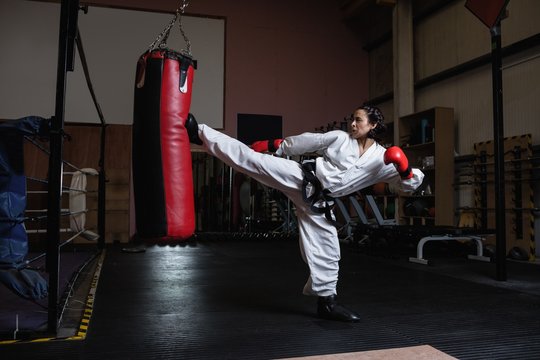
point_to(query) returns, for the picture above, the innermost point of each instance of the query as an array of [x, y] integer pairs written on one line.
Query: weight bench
[[425, 233], [346, 231], [452, 234]]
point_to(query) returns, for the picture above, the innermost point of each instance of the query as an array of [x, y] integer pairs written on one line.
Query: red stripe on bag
[[176, 153]]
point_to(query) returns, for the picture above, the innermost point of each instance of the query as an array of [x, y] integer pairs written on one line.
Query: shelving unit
[[427, 138]]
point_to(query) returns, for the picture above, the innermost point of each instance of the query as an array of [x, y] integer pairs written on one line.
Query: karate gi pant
[[319, 243]]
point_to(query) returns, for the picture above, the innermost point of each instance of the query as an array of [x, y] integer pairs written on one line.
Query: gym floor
[[241, 299]]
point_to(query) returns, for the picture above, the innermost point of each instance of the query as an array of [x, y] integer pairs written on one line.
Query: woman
[[349, 162]]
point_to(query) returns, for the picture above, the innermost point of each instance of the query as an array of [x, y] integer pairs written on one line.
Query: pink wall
[[293, 58]]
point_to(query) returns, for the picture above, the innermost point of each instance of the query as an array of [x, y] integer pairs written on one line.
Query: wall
[[109, 50], [291, 58], [454, 36]]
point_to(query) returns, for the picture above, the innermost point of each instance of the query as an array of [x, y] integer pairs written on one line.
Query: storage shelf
[[417, 196], [427, 138], [419, 146]]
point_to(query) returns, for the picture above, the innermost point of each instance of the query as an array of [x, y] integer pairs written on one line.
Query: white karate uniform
[[340, 170]]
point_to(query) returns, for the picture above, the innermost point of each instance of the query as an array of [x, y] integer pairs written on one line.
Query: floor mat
[[242, 300], [21, 318], [423, 352]]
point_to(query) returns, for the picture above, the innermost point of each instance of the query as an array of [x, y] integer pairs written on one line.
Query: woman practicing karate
[[348, 162]]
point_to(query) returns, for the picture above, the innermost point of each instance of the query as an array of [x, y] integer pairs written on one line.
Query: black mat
[[22, 318], [242, 300]]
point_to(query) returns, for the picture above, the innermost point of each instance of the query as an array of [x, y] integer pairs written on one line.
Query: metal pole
[[102, 189], [231, 179], [498, 134], [68, 26]]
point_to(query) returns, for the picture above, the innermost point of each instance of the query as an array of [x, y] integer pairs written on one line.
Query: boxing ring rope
[[77, 189], [17, 215], [77, 198]]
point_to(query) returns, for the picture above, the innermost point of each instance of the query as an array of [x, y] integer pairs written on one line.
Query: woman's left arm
[[391, 176], [410, 185]]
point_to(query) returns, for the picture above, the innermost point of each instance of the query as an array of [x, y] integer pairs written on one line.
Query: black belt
[[319, 199]]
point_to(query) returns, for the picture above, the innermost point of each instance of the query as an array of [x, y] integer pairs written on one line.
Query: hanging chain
[[162, 37], [185, 4], [161, 40]]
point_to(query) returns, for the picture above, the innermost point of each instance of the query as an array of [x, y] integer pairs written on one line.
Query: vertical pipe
[[498, 134], [102, 189], [517, 186], [231, 177], [68, 26], [532, 217], [483, 192]]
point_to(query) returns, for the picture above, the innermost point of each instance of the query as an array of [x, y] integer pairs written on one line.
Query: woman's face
[[360, 125]]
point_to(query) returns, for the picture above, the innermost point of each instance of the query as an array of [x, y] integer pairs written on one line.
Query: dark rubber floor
[[28, 318], [242, 300]]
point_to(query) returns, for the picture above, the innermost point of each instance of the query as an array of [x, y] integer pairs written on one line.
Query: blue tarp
[[13, 238]]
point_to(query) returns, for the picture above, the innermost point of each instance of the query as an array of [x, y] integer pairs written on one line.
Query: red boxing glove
[[394, 155], [266, 145]]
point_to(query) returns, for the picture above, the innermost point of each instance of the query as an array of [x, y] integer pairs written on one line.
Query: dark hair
[[375, 116]]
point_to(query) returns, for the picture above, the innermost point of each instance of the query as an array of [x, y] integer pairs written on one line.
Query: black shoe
[[328, 308], [193, 130]]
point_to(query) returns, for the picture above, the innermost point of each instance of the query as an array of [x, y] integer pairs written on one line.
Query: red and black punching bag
[[162, 168]]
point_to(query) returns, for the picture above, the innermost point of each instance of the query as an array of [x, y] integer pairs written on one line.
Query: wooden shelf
[[419, 146], [418, 196], [427, 138]]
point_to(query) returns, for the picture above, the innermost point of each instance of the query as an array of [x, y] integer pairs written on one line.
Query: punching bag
[[162, 168]]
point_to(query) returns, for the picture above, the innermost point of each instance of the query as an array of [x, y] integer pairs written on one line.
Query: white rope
[[43, 231]]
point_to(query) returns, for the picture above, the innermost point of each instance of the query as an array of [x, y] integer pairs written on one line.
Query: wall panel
[[522, 21], [454, 35], [471, 96]]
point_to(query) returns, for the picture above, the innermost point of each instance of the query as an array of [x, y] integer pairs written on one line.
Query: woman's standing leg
[[319, 245]]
